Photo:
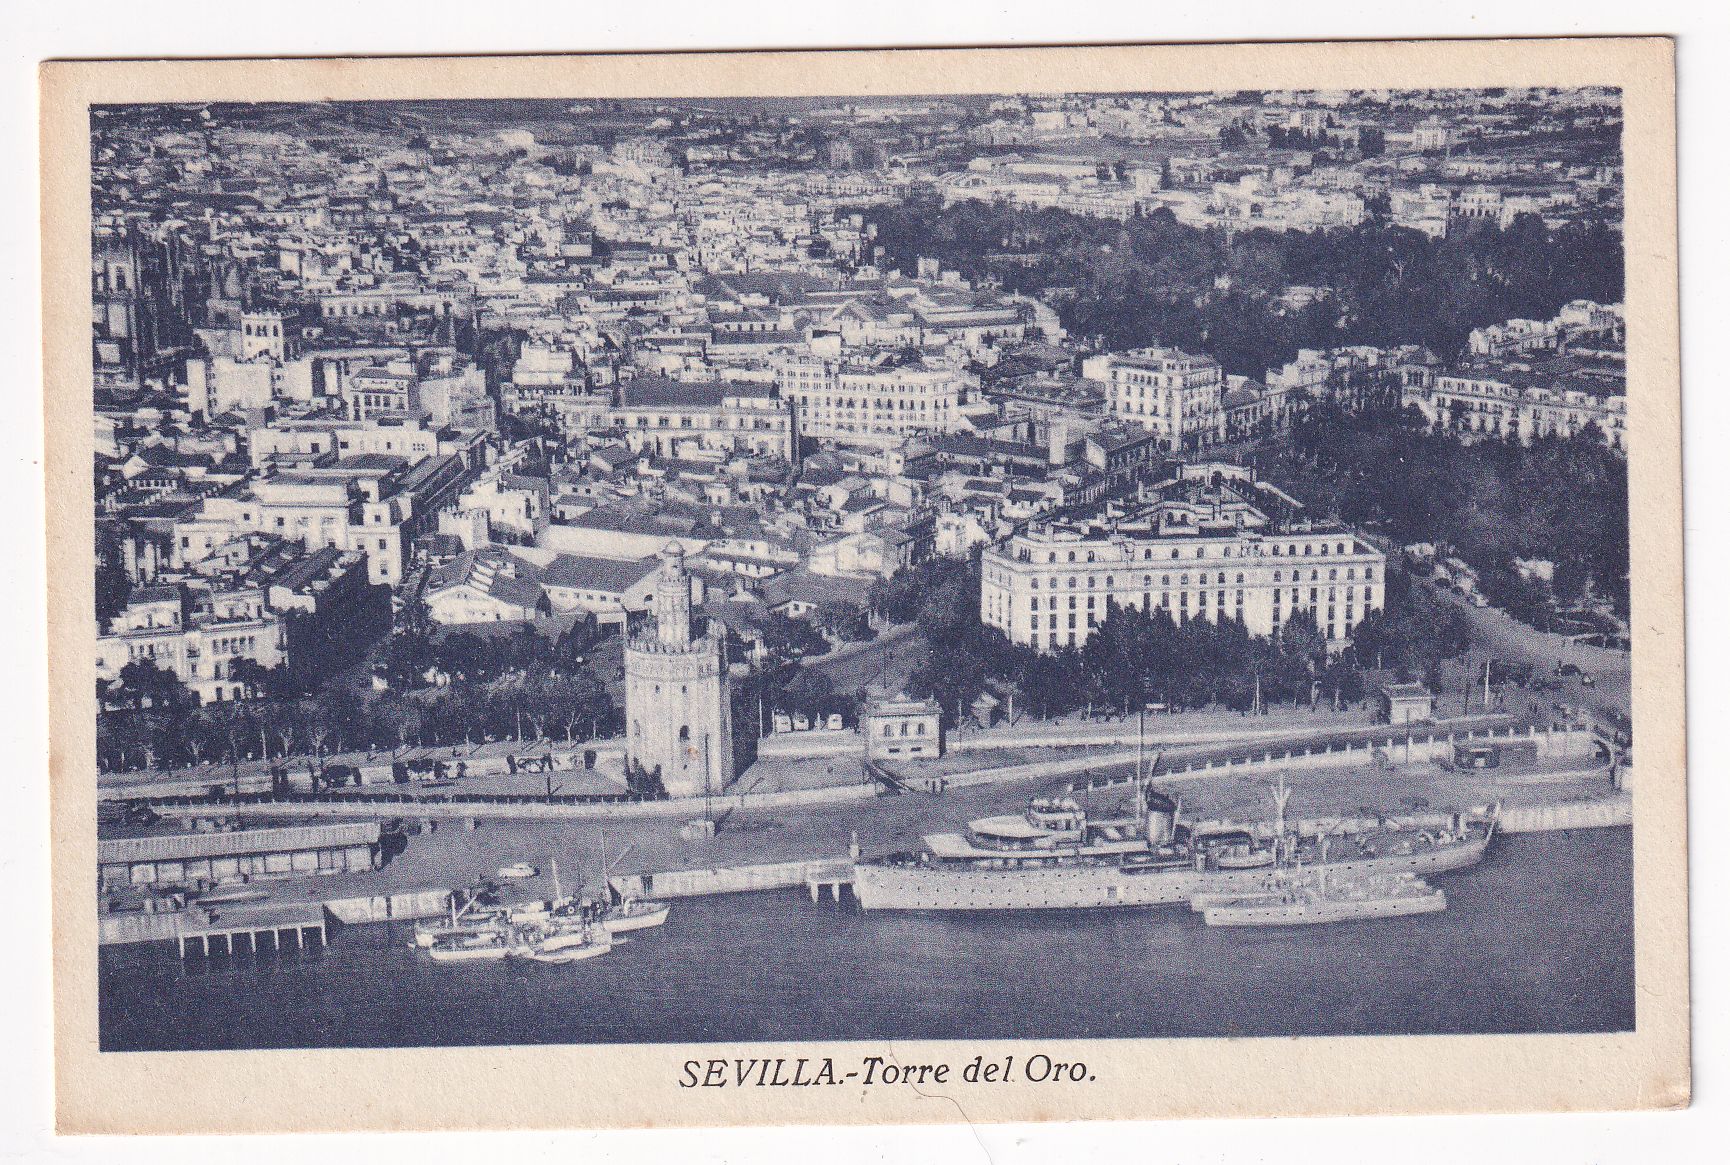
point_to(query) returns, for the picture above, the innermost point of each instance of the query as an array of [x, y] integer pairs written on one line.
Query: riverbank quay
[[263, 927], [759, 789], [765, 844], [599, 763]]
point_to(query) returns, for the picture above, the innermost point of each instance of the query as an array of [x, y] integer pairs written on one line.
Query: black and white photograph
[[1121, 565]]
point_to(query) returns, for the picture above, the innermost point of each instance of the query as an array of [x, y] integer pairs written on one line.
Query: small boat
[[632, 914], [572, 953], [1244, 858], [568, 954], [563, 943], [484, 947], [518, 870]]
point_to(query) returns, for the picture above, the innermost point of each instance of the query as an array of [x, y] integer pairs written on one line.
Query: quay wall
[[114, 929], [1388, 746], [1604, 813], [815, 743], [1385, 745], [384, 907], [727, 879]]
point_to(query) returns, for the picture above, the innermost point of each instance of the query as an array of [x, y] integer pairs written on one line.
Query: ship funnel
[[1161, 819]]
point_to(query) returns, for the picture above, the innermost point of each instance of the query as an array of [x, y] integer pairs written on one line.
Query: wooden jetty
[[262, 928]]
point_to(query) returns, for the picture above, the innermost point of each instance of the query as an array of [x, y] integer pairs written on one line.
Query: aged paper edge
[[629, 1086]]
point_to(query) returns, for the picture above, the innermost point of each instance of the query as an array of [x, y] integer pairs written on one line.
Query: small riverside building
[[1407, 704], [182, 858], [903, 728]]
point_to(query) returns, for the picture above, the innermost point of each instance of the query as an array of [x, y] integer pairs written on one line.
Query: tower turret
[[673, 598]]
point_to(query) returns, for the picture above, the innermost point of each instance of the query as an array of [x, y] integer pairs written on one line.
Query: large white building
[[371, 504], [1205, 549], [1172, 393], [199, 636], [872, 403]]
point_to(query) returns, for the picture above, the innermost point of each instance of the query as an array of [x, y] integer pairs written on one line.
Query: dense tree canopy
[[1154, 280], [1564, 500]]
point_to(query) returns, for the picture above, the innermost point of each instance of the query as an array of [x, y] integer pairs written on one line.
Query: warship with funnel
[[1055, 856]]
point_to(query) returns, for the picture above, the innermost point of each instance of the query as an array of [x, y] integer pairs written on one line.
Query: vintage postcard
[[894, 586]]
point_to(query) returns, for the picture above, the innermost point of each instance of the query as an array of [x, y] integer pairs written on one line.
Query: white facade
[[201, 649], [1490, 407], [1172, 393], [1049, 587], [871, 405]]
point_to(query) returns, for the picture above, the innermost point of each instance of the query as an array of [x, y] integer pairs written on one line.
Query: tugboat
[[467, 920], [626, 914], [1054, 857]]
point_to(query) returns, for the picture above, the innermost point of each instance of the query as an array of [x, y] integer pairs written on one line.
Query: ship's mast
[[606, 885], [1281, 794]]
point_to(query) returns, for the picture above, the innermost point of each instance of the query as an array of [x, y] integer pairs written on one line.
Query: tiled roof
[[609, 575]]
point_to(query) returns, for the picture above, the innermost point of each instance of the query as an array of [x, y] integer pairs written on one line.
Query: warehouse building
[[186, 858]]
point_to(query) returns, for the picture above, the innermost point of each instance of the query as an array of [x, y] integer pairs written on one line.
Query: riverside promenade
[[1101, 760]]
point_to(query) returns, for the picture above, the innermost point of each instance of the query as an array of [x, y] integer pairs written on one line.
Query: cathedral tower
[[678, 715]]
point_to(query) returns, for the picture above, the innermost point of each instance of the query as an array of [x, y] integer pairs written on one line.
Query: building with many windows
[[1211, 543], [1520, 401], [659, 415], [371, 504], [198, 632], [872, 402], [1174, 394]]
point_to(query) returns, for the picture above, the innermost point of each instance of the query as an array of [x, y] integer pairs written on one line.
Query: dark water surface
[[1538, 938]]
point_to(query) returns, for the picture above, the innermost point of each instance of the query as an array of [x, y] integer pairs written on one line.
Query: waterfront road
[[882, 663], [1497, 634]]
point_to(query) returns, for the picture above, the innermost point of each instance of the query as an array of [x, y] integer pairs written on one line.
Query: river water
[[1537, 938]]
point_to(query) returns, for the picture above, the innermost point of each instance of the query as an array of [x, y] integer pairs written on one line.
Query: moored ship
[[1320, 899], [1055, 857]]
